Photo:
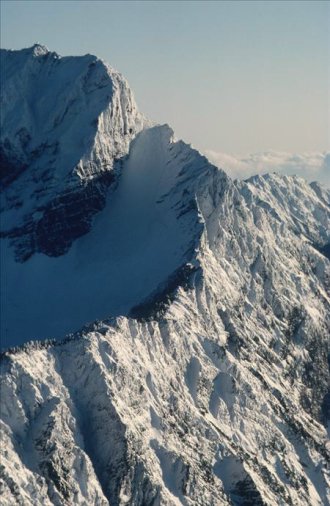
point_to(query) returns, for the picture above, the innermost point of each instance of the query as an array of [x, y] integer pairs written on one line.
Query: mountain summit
[[178, 320], [65, 121]]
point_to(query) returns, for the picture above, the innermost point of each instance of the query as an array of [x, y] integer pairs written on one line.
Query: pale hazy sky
[[234, 77]]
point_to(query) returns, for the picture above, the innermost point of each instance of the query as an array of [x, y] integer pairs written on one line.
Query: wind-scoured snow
[[205, 380]]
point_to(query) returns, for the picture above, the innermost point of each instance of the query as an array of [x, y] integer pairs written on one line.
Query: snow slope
[[205, 380], [147, 230], [219, 400]]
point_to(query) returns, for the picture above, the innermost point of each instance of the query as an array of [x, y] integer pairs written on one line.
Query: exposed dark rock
[[64, 219], [10, 168]]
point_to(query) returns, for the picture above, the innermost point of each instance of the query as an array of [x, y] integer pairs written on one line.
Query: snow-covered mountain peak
[[64, 123], [199, 375], [39, 49], [80, 89], [36, 50]]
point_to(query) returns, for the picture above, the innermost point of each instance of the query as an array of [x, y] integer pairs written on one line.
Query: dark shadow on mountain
[[157, 303]]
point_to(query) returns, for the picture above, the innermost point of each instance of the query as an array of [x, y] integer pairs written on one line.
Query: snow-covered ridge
[[148, 230], [220, 400], [205, 380]]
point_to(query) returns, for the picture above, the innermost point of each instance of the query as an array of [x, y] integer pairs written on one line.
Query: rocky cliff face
[[205, 379]]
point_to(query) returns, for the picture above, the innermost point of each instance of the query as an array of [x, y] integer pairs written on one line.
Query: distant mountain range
[[311, 166]]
